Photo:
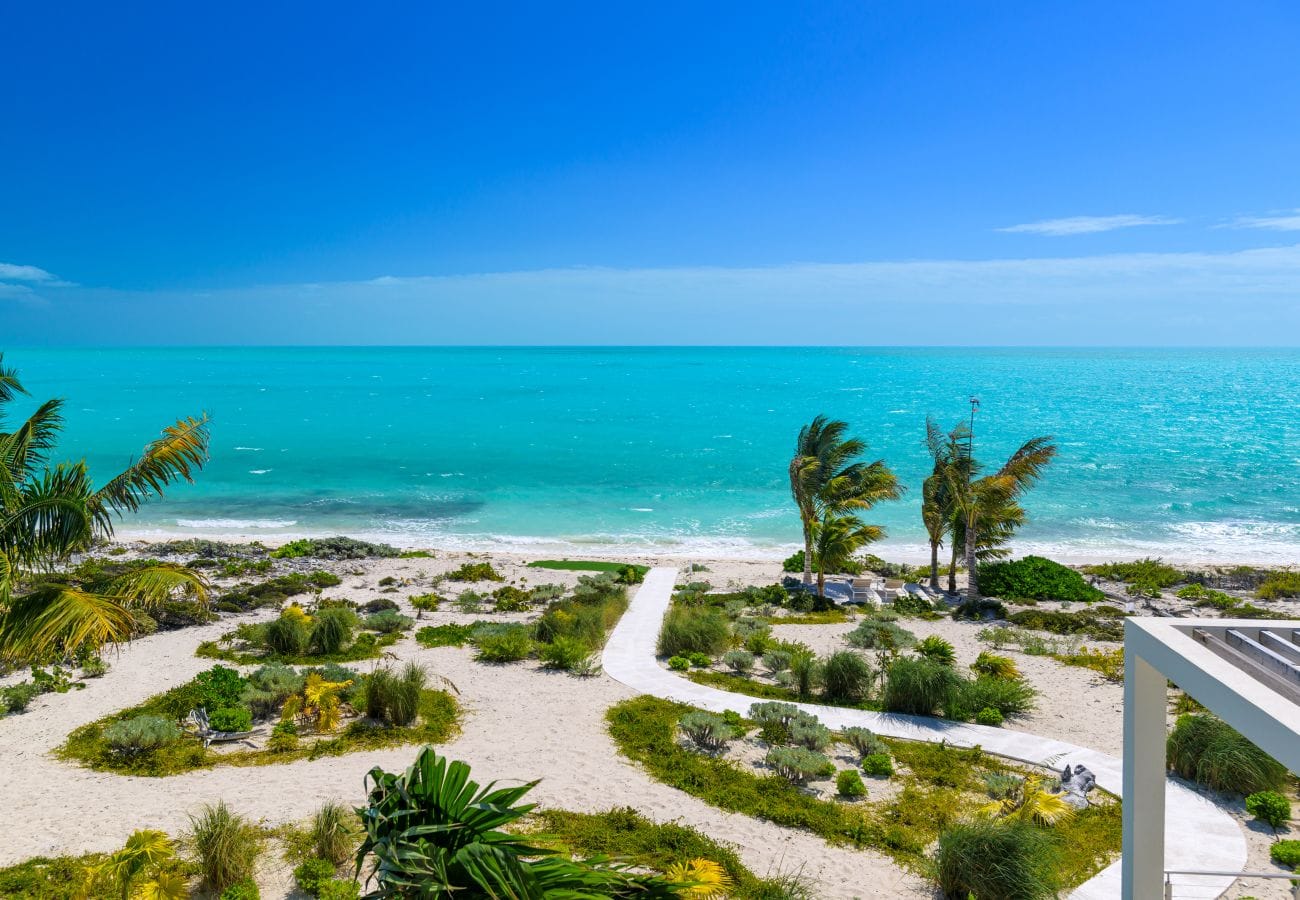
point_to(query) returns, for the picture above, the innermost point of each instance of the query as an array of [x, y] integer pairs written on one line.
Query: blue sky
[[862, 173]]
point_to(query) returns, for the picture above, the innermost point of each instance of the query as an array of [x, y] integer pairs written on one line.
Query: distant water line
[[1188, 454]]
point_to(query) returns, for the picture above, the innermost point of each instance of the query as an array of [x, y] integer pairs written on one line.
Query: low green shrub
[[1010, 697], [811, 735], [218, 687], [242, 890], [678, 663], [394, 697], [989, 716], [1270, 807], [707, 731], [565, 652], [880, 634], [310, 874], [864, 741], [1285, 853], [502, 643], [287, 636], [334, 548], [1279, 585], [739, 661], [141, 734], [1204, 748], [878, 765], [694, 629], [424, 603], [508, 598], [703, 660], [231, 718], [445, 635], [16, 698], [995, 666], [799, 765], [936, 649], [331, 630], [1035, 578], [1005, 859], [985, 608], [339, 889], [388, 621], [1143, 572], [1101, 623], [475, 572], [849, 784]]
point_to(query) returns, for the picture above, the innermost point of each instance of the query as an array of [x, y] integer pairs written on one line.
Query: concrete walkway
[[1198, 835]]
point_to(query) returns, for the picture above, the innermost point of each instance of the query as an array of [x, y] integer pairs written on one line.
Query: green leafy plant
[[242, 890], [995, 666], [1035, 578], [936, 649], [1285, 853], [433, 832], [849, 784], [678, 663], [811, 735], [739, 661], [878, 765], [338, 889], [475, 572], [880, 634], [864, 741], [990, 716], [502, 643], [387, 622], [799, 765], [141, 734], [310, 874], [231, 718], [1269, 807], [707, 731]]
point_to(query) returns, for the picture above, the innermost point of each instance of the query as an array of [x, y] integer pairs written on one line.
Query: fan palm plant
[[836, 538], [1031, 802], [47, 513], [431, 832], [145, 851], [829, 482]]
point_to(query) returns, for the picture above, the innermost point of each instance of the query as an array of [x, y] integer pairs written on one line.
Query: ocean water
[[1189, 454]]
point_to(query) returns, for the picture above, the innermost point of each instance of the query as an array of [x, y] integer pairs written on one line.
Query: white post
[[1144, 779]]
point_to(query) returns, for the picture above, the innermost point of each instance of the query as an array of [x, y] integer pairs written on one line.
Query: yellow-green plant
[[319, 702], [1031, 802], [703, 879], [144, 853]]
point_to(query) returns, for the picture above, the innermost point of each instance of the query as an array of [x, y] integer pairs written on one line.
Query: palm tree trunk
[[934, 565], [807, 557], [972, 582], [952, 570]]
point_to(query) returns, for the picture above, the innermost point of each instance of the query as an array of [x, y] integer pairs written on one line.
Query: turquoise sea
[[1190, 454]]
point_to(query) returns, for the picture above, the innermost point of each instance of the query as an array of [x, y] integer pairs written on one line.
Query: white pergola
[[1245, 671]]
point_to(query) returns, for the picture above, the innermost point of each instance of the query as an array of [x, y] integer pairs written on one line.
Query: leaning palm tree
[[836, 538], [986, 508], [936, 499], [47, 513], [827, 478]]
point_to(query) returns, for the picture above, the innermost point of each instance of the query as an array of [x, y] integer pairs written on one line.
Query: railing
[[1294, 877]]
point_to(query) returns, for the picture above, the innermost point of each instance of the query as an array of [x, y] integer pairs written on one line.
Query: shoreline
[[721, 548]]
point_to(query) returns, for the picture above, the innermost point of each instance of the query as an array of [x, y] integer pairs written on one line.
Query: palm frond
[[158, 583], [54, 618], [29, 446], [10, 386], [182, 449], [49, 517]]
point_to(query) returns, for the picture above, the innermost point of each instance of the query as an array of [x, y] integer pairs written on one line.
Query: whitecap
[[258, 471], [248, 448], [236, 523]]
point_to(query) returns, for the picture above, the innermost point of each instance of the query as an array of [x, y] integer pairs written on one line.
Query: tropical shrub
[[805, 673], [502, 643], [338, 889], [989, 716], [849, 784], [141, 734], [863, 741], [219, 687], [310, 874], [1285, 853], [846, 677], [799, 765], [509, 598], [288, 635], [564, 652], [707, 731], [1269, 807], [18, 697], [936, 649], [475, 572], [878, 765], [694, 629], [433, 818], [231, 718], [1204, 748], [776, 660], [387, 621], [334, 548], [1035, 578], [225, 846], [242, 890], [995, 666], [393, 697], [268, 688], [1007, 860], [1279, 585], [739, 661], [445, 635], [1101, 623], [423, 603], [982, 608], [783, 714], [284, 738], [919, 686], [811, 735], [880, 634], [913, 605], [1149, 573], [678, 663]]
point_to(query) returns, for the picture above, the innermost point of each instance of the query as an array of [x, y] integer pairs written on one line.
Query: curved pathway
[[1198, 835]]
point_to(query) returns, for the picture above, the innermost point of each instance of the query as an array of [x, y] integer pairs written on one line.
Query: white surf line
[[1198, 835]]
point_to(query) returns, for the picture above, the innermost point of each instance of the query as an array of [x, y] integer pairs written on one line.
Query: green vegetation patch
[[1035, 578], [334, 548], [178, 752], [587, 565], [1146, 573]]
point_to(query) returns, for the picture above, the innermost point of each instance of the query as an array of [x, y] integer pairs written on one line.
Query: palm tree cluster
[[49, 512], [975, 511], [978, 513], [831, 484]]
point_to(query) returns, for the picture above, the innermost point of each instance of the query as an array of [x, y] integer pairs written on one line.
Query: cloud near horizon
[[1241, 297], [1285, 221], [1087, 224]]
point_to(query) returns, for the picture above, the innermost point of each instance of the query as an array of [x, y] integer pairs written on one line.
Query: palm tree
[[986, 508], [936, 500], [836, 538], [48, 513], [828, 480]]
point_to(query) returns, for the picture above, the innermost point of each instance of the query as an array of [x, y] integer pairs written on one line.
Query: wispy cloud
[[1283, 221], [1087, 224], [21, 282]]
